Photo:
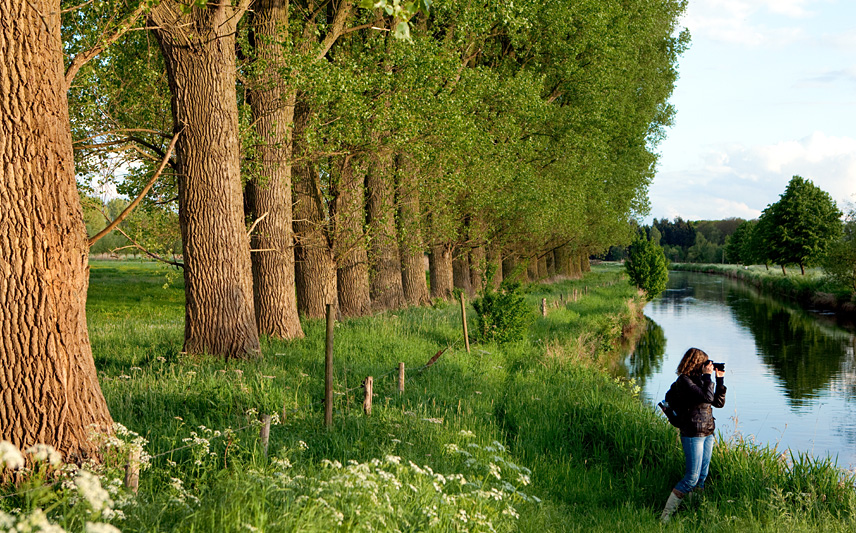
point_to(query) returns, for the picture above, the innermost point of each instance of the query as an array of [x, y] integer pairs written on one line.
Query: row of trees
[[317, 159]]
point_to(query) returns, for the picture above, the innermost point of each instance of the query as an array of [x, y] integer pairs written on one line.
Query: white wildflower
[[10, 456], [452, 448], [93, 527], [467, 433], [6, 521], [510, 511], [38, 521], [433, 420], [302, 445], [393, 459], [283, 463], [495, 471], [45, 453], [498, 445], [462, 515], [89, 486], [523, 479]]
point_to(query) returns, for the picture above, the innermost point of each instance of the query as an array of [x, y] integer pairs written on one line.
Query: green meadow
[[529, 436]]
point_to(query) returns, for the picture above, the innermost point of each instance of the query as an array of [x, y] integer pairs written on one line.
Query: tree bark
[[268, 195], [532, 269], [509, 266], [542, 266], [461, 271], [387, 291], [551, 263], [49, 391], [410, 240], [315, 265], [352, 258], [562, 255], [494, 260], [199, 51], [478, 264], [440, 271]]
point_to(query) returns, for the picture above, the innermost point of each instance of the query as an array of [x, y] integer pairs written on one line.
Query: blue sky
[[767, 90]]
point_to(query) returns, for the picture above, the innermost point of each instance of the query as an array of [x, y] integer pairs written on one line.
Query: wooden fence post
[[543, 307], [464, 319], [132, 471], [367, 403], [264, 434], [400, 378], [328, 370]]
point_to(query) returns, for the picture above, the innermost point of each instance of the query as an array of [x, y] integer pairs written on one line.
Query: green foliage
[[801, 225], [646, 266], [839, 263], [501, 316]]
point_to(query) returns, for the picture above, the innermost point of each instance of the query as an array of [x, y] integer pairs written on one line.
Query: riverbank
[[811, 291], [530, 436]]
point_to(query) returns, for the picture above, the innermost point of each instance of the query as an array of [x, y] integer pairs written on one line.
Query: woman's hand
[[720, 373], [708, 368]]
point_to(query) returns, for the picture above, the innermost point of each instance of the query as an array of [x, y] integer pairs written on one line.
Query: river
[[791, 374]]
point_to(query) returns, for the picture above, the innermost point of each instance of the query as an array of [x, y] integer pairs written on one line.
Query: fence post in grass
[[264, 434], [367, 403], [328, 370], [464, 319], [132, 471], [400, 378], [543, 307]]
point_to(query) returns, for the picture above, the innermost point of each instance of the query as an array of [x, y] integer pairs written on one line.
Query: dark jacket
[[695, 395]]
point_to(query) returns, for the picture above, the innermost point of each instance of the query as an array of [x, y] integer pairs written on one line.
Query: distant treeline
[[687, 241]]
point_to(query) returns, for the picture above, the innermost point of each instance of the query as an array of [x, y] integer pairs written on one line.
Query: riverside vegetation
[[525, 436]]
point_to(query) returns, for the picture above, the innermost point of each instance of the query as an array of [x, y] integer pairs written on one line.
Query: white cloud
[[735, 21], [738, 180]]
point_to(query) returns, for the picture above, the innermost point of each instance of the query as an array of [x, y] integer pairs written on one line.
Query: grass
[[814, 289], [529, 436]]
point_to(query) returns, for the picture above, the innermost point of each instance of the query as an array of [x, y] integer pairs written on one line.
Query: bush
[[646, 266], [501, 316]]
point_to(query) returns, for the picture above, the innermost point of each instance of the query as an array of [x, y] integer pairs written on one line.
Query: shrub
[[501, 316], [646, 266]]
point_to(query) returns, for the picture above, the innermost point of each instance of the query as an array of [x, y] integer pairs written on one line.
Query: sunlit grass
[[526, 436]]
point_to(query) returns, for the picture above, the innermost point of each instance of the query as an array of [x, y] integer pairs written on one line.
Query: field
[[529, 436]]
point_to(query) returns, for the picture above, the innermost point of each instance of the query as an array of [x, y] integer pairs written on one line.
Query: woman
[[694, 393]]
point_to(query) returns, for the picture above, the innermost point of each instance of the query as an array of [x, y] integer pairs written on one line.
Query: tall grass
[[526, 436]]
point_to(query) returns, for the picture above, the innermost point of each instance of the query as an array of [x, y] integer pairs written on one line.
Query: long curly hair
[[692, 362]]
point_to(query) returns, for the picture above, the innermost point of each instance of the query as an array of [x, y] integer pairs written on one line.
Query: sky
[[767, 90]]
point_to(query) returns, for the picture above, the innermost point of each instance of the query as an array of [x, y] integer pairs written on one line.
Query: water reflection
[[791, 374]]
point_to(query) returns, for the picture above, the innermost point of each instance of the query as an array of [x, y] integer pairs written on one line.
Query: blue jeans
[[697, 452]]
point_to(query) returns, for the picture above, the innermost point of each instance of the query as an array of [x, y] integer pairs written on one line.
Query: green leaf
[[402, 31]]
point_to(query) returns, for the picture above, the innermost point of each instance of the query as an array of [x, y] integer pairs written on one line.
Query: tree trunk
[[49, 390], [532, 269], [219, 316], [268, 195], [509, 266], [387, 291], [440, 271], [315, 267], [410, 240], [478, 264], [784, 272], [494, 260], [585, 265], [563, 260], [542, 267], [352, 259], [551, 264], [461, 271]]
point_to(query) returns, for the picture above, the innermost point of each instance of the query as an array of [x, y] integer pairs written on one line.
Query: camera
[[718, 366]]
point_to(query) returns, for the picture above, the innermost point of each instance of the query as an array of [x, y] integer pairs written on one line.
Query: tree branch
[[84, 57], [138, 246], [139, 198]]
